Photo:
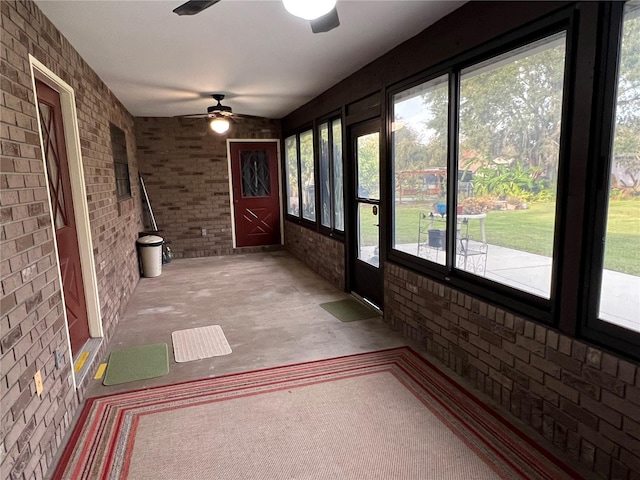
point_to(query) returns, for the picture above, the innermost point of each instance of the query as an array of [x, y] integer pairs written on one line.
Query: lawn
[[531, 230]]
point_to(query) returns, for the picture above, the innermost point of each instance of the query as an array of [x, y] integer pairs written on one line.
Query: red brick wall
[[186, 173], [320, 253], [31, 321], [580, 398]]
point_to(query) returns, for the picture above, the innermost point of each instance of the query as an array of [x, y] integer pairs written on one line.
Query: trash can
[[150, 255], [437, 238]]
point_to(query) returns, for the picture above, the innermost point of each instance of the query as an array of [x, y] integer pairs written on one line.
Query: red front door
[[55, 153], [254, 168]]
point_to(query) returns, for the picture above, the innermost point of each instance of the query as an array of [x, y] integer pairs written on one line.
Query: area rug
[[137, 363], [198, 343], [349, 310], [379, 415]]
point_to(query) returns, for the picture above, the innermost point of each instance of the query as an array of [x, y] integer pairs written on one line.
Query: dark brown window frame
[[120, 162], [592, 327]]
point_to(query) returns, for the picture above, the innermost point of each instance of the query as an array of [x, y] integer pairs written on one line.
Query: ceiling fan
[[218, 115], [322, 14]]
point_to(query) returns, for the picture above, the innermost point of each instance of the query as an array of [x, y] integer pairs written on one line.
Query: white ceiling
[[265, 60]]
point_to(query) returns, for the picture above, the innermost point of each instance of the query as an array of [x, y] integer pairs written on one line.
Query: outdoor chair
[[471, 254]]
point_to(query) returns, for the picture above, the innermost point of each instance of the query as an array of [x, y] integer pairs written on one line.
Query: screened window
[[325, 176], [331, 196], [291, 166], [503, 188], [420, 132], [619, 300], [120, 162], [307, 176], [300, 171], [510, 113], [338, 176]]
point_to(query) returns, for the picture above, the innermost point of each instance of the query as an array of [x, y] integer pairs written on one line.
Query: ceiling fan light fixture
[[219, 125], [309, 9]]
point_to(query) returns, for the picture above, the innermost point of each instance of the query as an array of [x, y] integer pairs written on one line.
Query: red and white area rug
[[380, 415]]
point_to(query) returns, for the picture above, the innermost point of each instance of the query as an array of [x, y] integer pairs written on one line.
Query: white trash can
[[150, 252]]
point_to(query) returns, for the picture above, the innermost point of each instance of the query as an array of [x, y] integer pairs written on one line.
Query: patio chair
[[471, 255]]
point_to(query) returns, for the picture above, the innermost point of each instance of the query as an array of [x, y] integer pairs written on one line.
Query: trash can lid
[[150, 240]]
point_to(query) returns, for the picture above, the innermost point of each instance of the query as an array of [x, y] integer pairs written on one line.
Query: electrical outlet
[[59, 356], [37, 378], [204, 232]]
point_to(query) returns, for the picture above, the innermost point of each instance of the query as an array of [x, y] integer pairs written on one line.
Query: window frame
[[300, 219], [120, 158], [596, 208], [329, 120], [541, 309]]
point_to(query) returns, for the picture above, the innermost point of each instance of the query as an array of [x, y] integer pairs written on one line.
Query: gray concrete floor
[[266, 303], [268, 307]]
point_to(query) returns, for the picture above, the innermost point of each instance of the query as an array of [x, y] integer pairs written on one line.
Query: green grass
[[531, 230]]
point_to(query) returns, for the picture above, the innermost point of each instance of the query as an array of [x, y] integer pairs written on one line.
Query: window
[[420, 132], [338, 176], [300, 171], [331, 196], [291, 166], [307, 176], [619, 301], [493, 181], [120, 162], [510, 112]]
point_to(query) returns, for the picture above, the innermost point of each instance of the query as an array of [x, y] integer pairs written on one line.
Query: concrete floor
[[266, 303], [268, 307]]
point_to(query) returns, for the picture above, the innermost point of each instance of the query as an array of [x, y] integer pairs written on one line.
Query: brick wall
[[580, 398], [320, 253], [31, 320], [186, 173]]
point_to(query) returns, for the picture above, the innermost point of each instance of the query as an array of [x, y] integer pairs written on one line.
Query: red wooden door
[[55, 152], [254, 168]]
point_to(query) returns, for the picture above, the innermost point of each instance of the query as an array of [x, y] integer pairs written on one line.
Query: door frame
[[78, 194], [351, 205], [230, 175]]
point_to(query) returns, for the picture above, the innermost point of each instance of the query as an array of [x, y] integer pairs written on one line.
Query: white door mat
[[199, 343]]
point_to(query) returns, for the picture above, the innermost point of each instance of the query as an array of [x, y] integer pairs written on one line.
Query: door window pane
[[619, 299], [368, 166], [368, 237], [52, 160], [325, 183], [307, 177], [291, 165], [338, 189], [254, 165], [508, 152], [419, 143]]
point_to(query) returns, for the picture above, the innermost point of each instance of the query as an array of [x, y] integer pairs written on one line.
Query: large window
[[493, 181], [510, 112], [120, 162], [620, 286], [300, 172], [331, 183]]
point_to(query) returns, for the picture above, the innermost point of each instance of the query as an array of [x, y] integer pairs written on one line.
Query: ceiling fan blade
[[192, 115], [194, 6], [326, 22], [243, 116]]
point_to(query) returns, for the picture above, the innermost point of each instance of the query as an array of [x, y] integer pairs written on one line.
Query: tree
[[626, 145]]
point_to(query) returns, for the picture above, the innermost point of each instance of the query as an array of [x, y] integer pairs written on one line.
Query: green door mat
[[137, 363], [349, 310]]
